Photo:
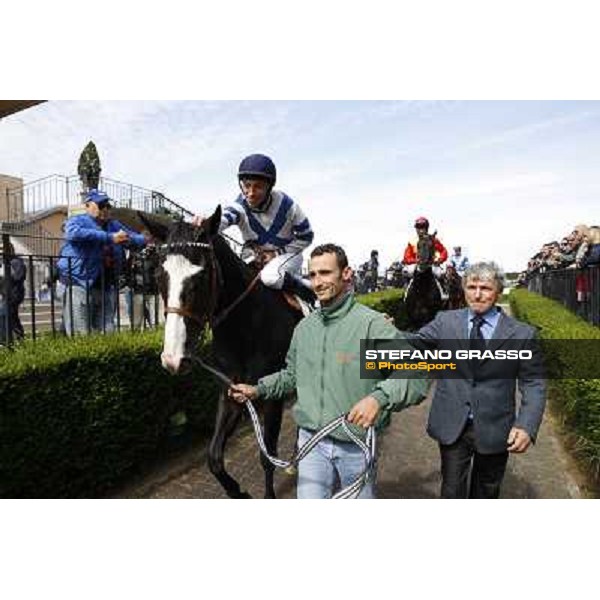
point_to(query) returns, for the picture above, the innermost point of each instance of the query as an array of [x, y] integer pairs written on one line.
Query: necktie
[[476, 335], [476, 340]]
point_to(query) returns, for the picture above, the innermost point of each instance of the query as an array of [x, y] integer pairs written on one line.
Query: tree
[[89, 167]]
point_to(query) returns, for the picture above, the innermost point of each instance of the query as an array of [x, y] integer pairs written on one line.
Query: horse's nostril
[[170, 362], [185, 365]]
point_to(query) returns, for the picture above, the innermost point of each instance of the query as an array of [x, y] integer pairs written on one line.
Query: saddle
[[297, 303], [257, 258]]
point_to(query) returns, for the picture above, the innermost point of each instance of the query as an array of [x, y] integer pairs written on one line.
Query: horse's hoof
[[244, 496]]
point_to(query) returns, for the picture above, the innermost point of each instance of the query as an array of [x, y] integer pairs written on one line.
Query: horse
[[394, 277], [423, 299], [456, 294], [201, 280]]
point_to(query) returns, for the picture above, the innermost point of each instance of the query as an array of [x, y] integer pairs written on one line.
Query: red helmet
[[422, 222]]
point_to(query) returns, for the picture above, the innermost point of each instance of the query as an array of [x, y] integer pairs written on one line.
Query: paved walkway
[[409, 466]]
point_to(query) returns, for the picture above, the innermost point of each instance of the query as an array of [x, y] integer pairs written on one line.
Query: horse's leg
[[273, 414], [228, 416]]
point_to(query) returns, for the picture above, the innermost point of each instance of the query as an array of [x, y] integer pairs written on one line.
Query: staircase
[[43, 316], [23, 202], [39, 241]]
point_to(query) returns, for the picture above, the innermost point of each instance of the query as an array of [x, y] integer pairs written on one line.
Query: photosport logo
[[479, 360]]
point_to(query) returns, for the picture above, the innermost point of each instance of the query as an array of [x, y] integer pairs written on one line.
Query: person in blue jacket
[[89, 266]]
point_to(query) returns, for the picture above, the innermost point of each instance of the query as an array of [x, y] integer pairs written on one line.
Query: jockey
[[373, 263], [370, 271], [272, 221], [439, 253], [459, 261]]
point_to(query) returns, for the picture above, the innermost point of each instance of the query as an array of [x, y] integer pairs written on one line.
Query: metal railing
[[39, 240], [577, 289], [42, 304], [35, 197]]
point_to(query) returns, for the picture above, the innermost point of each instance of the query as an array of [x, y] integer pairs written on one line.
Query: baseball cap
[[97, 197]]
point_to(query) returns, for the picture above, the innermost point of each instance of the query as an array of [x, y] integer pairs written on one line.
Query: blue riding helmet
[[97, 197], [259, 166]]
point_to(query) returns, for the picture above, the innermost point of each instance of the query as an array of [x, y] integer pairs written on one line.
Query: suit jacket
[[492, 401]]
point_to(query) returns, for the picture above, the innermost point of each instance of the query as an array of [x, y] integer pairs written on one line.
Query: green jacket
[[323, 368]]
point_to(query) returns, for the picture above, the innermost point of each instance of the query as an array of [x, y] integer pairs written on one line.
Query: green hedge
[[77, 416], [388, 301], [577, 401]]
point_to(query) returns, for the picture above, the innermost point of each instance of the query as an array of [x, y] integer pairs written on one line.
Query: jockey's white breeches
[[274, 271], [409, 270]]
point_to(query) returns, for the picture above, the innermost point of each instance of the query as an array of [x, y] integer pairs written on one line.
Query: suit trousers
[[461, 459]]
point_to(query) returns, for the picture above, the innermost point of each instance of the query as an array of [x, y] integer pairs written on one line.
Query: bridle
[[367, 447], [216, 281]]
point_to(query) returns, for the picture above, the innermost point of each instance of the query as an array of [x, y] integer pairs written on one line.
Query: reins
[[368, 447], [225, 312]]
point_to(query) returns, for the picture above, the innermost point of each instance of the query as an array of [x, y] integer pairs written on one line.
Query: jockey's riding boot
[[295, 286]]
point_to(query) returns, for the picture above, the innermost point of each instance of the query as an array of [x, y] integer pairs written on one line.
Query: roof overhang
[[9, 107]]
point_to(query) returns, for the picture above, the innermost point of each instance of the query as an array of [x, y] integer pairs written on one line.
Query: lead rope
[[368, 447]]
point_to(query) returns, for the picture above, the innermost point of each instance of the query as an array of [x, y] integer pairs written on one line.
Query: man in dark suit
[[474, 418]]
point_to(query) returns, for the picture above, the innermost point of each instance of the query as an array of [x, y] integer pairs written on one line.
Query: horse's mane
[[229, 259]]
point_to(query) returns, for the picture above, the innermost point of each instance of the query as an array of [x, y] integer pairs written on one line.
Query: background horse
[[394, 276], [456, 295], [203, 281], [423, 298]]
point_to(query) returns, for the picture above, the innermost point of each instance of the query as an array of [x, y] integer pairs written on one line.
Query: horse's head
[[187, 279], [425, 250]]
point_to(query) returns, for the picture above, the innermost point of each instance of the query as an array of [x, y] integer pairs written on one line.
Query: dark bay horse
[[423, 299], [201, 281], [456, 295]]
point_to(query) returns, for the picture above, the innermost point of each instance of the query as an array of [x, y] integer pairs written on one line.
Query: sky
[[499, 178]]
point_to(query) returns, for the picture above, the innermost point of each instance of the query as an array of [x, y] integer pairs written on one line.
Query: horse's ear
[[159, 231], [214, 222]]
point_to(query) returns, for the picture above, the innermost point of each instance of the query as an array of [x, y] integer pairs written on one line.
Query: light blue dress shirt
[[488, 327]]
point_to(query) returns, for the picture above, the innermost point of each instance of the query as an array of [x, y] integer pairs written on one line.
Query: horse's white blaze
[[179, 269]]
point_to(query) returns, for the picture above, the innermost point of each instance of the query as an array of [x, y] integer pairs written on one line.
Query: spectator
[[10, 305], [90, 263], [567, 251], [568, 254], [592, 255], [141, 285]]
